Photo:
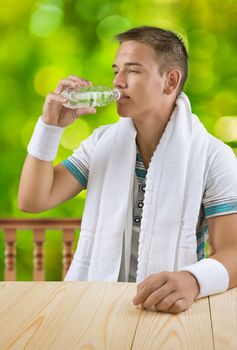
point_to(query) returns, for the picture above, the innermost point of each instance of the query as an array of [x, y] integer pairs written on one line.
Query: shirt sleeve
[[79, 162], [220, 195]]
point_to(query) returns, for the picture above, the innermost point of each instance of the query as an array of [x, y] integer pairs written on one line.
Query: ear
[[173, 79]]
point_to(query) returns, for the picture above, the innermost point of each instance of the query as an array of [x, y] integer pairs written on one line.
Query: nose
[[120, 81]]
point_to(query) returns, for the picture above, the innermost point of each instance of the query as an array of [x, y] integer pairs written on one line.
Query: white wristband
[[45, 141], [212, 276]]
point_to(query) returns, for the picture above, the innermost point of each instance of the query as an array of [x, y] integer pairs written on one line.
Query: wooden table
[[100, 315]]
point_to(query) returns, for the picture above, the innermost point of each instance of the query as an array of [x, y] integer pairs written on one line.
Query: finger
[[78, 79], [158, 295], [64, 83], [148, 286], [178, 306], [167, 302], [53, 97]]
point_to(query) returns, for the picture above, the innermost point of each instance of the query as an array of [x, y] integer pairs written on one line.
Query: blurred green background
[[44, 41]]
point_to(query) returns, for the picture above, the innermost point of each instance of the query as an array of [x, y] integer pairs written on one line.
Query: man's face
[[138, 78]]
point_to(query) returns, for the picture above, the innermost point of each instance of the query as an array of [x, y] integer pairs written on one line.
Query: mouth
[[123, 98]]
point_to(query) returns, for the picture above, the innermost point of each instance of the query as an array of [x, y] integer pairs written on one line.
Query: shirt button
[[140, 204], [143, 188], [137, 220]]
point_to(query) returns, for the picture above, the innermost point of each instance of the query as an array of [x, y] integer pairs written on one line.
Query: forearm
[[35, 184], [43, 186], [38, 171]]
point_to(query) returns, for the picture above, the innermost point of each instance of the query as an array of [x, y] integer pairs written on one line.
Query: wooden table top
[[100, 315]]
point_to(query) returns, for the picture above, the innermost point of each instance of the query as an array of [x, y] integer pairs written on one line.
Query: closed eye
[[130, 71], [133, 71]]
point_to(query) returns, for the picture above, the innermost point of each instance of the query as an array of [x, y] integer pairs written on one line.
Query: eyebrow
[[128, 64]]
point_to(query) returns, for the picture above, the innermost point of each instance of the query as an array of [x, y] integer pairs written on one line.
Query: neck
[[151, 127]]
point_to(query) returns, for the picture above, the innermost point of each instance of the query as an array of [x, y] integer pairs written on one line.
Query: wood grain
[[224, 319], [100, 316], [67, 315], [189, 330]]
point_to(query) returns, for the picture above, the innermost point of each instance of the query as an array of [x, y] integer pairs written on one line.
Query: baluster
[[10, 254], [10, 227], [68, 239], [39, 274]]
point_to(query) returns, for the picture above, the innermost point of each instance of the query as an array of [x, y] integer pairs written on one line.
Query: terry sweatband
[[45, 141], [212, 276]]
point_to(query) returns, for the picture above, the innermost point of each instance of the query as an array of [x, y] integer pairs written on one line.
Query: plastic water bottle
[[90, 96]]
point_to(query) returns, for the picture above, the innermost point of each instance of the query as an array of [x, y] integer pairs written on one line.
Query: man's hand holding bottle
[[72, 98], [54, 113]]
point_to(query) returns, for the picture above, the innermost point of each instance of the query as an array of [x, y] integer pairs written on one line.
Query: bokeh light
[[47, 79], [226, 128], [110, 26], [205, 78], [74, 134], [46, 20]]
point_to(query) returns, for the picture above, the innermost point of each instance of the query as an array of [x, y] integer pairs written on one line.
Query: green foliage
[[44, 41]]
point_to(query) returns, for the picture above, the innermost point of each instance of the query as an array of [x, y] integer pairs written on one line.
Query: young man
[[158, 184]]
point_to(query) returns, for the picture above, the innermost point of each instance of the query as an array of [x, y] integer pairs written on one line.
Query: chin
[[122, 112]]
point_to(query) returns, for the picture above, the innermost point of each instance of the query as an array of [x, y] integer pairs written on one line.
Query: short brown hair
[[168, 46]]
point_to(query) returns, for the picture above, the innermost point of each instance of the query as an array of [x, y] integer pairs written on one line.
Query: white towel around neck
[[174, 190]]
